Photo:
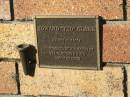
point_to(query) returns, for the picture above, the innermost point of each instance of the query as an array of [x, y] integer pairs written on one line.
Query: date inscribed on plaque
[[68, 42]]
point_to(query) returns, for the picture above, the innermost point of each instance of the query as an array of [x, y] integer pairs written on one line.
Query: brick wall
[[128, 7], [16, 27]]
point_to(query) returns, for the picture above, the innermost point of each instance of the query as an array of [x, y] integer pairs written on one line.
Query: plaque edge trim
[[98, 44], [64, 16], [69, 67]]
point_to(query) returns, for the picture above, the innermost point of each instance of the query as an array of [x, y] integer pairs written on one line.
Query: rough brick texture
[[128, 9], [5, 10], [13, 34], [7, 78], [115, 39], [110, 9], [109, 82], [77, 83]]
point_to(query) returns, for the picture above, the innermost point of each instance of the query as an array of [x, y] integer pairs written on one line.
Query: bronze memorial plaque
[[68, 42]]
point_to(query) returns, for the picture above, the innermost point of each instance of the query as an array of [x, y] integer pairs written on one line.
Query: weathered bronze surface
[[68, 42]]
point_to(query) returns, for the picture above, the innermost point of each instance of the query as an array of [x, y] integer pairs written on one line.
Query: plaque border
[[69, 67]]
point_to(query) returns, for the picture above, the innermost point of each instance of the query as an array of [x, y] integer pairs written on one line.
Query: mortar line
[[125, 10], [17, 78], [5, 59], [12, 9], [125, 81]]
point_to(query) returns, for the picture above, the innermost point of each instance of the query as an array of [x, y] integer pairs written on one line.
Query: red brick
[[128, 9], [5, 10], [7, 78], [109, 9], [116, 40]]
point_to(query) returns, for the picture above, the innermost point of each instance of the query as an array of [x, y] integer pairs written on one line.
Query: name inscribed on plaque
[[68, 42]]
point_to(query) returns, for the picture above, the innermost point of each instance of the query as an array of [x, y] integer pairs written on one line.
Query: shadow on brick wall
[[102, 21]]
